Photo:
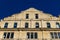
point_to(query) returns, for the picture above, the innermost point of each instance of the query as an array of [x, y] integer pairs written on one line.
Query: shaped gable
[[31, 12]]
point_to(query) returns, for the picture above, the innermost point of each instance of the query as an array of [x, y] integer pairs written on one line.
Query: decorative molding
[[29, 29]]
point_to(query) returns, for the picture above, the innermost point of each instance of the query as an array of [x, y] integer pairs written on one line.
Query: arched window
[[6, 25], [37, 25], [48, 25]]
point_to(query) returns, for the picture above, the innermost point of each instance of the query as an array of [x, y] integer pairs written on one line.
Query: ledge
[[29, 29]]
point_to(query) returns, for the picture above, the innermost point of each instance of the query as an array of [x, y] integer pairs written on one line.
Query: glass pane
[[8, 35], [6, 25], [52, 36], [12, 35], [55, 35], [5, 34], [15, 25], [27, 16], [48, 25], [59, 35], [32, 35], [57, 25], [37, 25], [28, 35], [36, 35], [36, 16], [26, 25]]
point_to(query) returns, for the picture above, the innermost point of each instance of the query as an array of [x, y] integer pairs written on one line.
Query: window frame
[[8, 35], [52, 35], [5, 35], [26, 25], [32, 35], [48, 25], [6, 25], [15, 24], [36, 16], [55, 35], [37, 24], [59, 35], [57, 24], [27, 16]]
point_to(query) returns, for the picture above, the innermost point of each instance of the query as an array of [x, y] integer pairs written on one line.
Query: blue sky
[[9, 7]]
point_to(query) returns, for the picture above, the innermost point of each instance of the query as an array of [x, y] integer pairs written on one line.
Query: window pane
[[27, 16], [28, 35], [36, 16], [57, 25], [5, 34], [8, 35], [55, 35], [48, 25], [12, 35], [32, 35], [15, 25], [52, 36], [36, 36], [37, 25], [6, 25], [26, 25], [59, 35]]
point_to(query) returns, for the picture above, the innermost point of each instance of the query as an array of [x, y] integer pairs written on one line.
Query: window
[[8, 35], [6, 25], [5, 34], [36, 36], [27, 16], [36, 16], [37, 25], [31, 35], [52, 36], [55, 35], [57, 25], [15, 25], [48, 25], [59, 35], [12, 35], [28, 35], [26, 25]]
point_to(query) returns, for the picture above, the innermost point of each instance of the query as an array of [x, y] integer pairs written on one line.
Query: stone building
[[30, 24]]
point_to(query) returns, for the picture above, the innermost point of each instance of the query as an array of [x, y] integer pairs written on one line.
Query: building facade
[[30, 24]]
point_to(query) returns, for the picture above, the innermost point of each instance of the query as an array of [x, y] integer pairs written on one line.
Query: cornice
[[29, 29]]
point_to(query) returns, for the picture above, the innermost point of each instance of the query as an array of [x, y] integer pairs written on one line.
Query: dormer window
[[27, 16], [36, 16]]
